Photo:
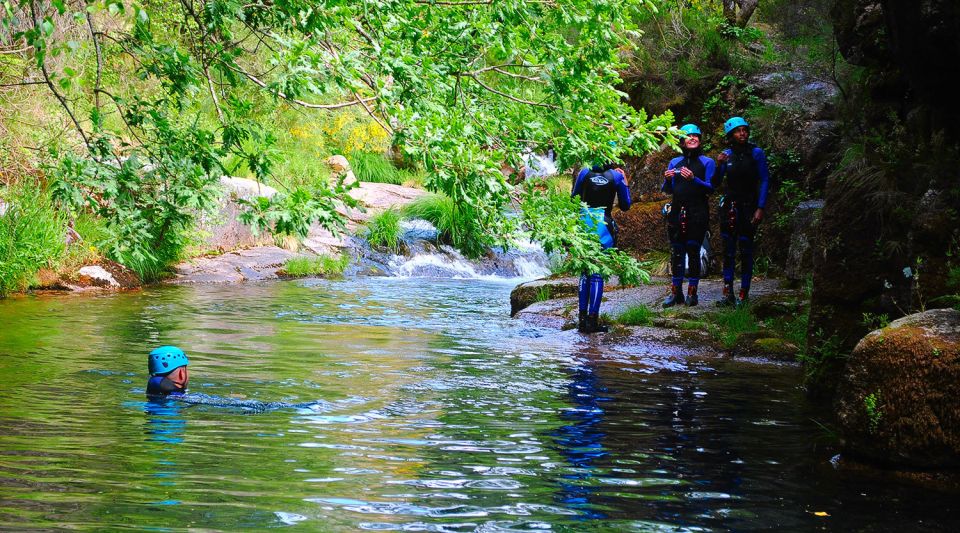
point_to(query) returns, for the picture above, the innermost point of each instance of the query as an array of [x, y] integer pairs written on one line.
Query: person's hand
[[757, 216], [668, 173], [686, 173], [722, 158]]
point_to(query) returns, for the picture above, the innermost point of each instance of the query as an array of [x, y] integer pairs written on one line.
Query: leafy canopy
[[463, 86]]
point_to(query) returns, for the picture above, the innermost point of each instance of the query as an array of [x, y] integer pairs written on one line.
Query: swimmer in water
[[168, 371]]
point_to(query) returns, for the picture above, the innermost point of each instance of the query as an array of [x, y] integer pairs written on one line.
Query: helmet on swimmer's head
[[733, 123], [166, 359], [691, 129]]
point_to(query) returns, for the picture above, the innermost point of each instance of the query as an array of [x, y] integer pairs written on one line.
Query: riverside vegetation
[[151, 102]]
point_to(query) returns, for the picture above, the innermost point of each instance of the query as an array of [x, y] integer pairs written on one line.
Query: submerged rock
[[897, 400]]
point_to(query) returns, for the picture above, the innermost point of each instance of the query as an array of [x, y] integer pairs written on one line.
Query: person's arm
[[667, 186], [578, 182], [721, 170], [761, 159], [709, 168], [623, 190]]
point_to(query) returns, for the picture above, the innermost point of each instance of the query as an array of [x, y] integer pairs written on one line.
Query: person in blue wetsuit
[[168, 371], [598, 186], [688, 179], [744, 165]]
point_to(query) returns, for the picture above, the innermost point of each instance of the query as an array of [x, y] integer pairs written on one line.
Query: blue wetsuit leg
[[583, 292], [596, 293]]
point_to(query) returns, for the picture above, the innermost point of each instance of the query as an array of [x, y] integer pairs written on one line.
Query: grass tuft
[[321, 265], [638, 315], [455, 225], [374, 168], [732, 323], [383, 230]]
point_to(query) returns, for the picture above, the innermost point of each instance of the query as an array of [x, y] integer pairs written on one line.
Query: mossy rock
[[525, 294], [897, 400]]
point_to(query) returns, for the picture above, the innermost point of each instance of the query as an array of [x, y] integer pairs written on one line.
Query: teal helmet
[[690, 129], [166, 359], [733, 123]]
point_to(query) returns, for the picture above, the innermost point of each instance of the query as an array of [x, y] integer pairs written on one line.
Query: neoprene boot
[[744, 297], [593, 325], [728, 299], [692, 299], [582, 322], [676, 296]]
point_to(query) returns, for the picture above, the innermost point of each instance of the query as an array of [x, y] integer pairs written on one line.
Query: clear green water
[[431, 411]]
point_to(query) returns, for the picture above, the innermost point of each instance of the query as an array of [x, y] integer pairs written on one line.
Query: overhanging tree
[[462, 86]]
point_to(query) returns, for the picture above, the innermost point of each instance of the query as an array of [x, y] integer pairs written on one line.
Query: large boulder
[[223, 231], [525, 294], [897, 399]]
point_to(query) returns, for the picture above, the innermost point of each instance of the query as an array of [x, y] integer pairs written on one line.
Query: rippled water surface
[[404, 404]]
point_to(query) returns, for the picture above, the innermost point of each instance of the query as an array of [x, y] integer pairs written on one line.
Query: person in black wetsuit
[[597, 186], [688, 178], [168, 371], [744, 165]]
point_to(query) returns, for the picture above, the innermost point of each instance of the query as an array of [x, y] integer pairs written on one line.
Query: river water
[[405, 405]]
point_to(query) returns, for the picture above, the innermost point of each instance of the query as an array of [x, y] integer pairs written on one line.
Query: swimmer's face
[[180, 377]]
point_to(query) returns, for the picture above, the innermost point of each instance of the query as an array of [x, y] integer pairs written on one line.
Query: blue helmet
[[165, 359], [733, 123], [690, 129]]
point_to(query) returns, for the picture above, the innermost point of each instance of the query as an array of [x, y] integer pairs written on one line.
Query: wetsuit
[[748, 181], [689, 214], [163, 385], [598, 187]]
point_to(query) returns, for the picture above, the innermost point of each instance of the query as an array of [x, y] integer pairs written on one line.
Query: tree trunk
[[738, 12]]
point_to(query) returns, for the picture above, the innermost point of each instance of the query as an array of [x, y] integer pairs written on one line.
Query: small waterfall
[[424, 258]]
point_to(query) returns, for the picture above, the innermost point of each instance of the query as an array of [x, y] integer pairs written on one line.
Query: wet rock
[[104, 275], [539, 290], [806, 225], [897, 400], [254, 264], [777, 304]]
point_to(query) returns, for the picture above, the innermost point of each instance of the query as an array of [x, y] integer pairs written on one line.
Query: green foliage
[[554, 220], [543, 293], [457, 224], [293, 213], [821, 358], [321, 265], [733, 322], [184, 88], [32, 235], [638, 315], [383, 230], [871, 404], [374, 168], [874, 321]]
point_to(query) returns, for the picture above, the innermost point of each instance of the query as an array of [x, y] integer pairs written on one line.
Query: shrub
[[31, 236], [383, 230], [321, 265]]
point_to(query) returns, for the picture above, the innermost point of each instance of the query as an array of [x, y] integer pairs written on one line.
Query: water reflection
[[580, 441], [403, 405]]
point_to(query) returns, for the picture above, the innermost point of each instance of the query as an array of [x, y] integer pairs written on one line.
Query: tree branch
[[257, 81], [509, 97]]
